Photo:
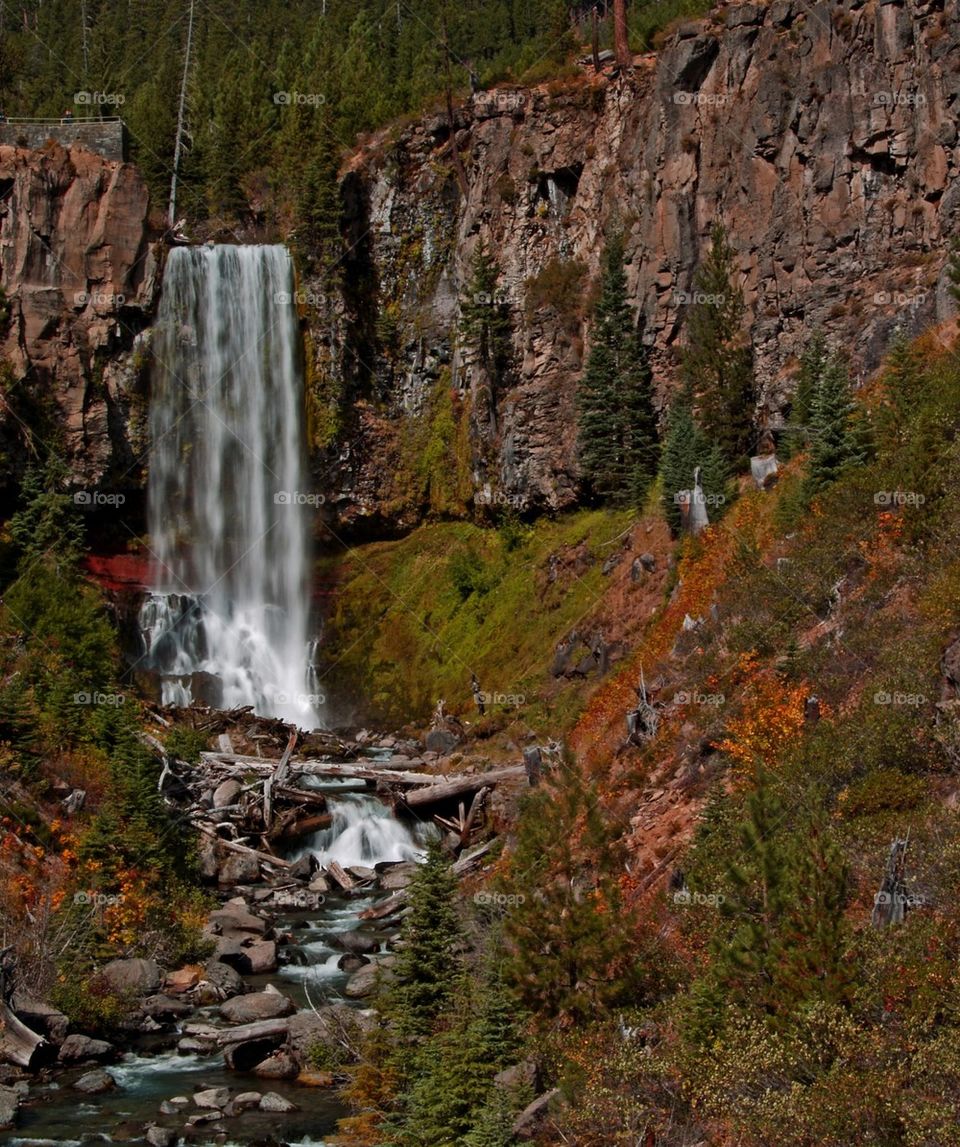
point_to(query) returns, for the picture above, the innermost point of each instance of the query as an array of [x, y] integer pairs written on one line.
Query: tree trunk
[[621, 45], [18, 1044]]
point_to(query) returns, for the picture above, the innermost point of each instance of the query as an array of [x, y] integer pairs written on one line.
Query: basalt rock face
[[79, 277], [824, 137]]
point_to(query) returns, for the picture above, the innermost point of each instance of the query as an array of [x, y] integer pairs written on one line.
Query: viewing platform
[[106, 137]]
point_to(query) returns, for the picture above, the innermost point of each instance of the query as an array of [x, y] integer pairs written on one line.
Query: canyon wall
[[79, 279], [824, 137]]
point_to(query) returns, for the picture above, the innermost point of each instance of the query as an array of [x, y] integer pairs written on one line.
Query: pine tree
[[485, 315], [784, 898], [686, 448], [836, 444], [571, 943], [812, 364], [904, 382], [616, 419], [493, 1126], [717, 359], [427, 966]]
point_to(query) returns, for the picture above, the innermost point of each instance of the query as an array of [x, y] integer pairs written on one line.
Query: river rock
[[235, 920], [303, 868], [96, 1082], [227, 793], [362, 983], [174, 1106], [254, 1006], [133, 977], [217, 1097], [9, 1104], [395, 876], [280, 1065], [362, 872], [227, 980], [165, 1008], [358, 943], [352, 962], [160, 1136], [191, 1046], [319, 883], [277, 1104], [77, 1048], [244, 1100], [183, 979]]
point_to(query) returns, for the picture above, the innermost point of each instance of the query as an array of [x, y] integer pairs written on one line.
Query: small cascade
[[364, 831]]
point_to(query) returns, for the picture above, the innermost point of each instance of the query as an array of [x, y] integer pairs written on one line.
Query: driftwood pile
[[255, 806]]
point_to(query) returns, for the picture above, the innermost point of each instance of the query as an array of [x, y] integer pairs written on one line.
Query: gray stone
[[359, 943], [239, 868], [441, 741], [96, 1082], [277, 1104], [217, 1097], [254, 1006], [352, 963], [78, 1048], [133, 977], [362, 983], [280, 1065], [160, 1136]]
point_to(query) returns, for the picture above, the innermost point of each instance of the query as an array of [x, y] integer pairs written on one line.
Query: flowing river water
[[364, 831]]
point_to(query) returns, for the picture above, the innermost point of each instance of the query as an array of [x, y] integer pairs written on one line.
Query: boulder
[[9, 1104], [236, 921], [212, 1097], [261, 956], [352, 963], [174, 1106], [303, 868], [362, 872], [227, 980], [133, 977], [227, 793], [358, 943], [164, 1008], [397, 875], [441, 741], [244, 1101], [362, 983], [183, 979], [280, 1065], [78, 1048], [255, 1006], [239, 868], [95, 1082], [160, 1136], [277, 1104]]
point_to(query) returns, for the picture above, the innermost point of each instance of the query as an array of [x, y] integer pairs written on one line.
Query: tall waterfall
[[227, 506]]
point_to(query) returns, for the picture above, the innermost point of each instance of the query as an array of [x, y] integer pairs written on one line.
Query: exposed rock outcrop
[[824, 136], [79, 276]]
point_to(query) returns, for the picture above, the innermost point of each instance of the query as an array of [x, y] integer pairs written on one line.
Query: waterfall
[[364, 831], [228, 614]]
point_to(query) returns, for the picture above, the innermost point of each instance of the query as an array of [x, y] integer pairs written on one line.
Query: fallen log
[[232, 846], [386, 907], [18, 1044], [459, 786], [337, 770], [221, 1037], [344, 879]]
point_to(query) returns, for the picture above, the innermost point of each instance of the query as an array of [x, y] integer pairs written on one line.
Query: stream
[[363, 832]]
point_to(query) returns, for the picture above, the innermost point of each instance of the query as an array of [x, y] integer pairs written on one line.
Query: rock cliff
[[79, 279], [824, 136]]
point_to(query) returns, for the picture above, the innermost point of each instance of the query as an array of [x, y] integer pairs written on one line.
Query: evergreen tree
[[485, 315], [812, 364], [686, 448], [718, 359], [571, 943], [493, 1126], [617, 423], [904, 382], [836, 443], [785, 897], [427, 966]]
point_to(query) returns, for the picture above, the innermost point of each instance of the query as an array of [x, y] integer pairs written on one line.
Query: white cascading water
[[363, 831], [227, 505]]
